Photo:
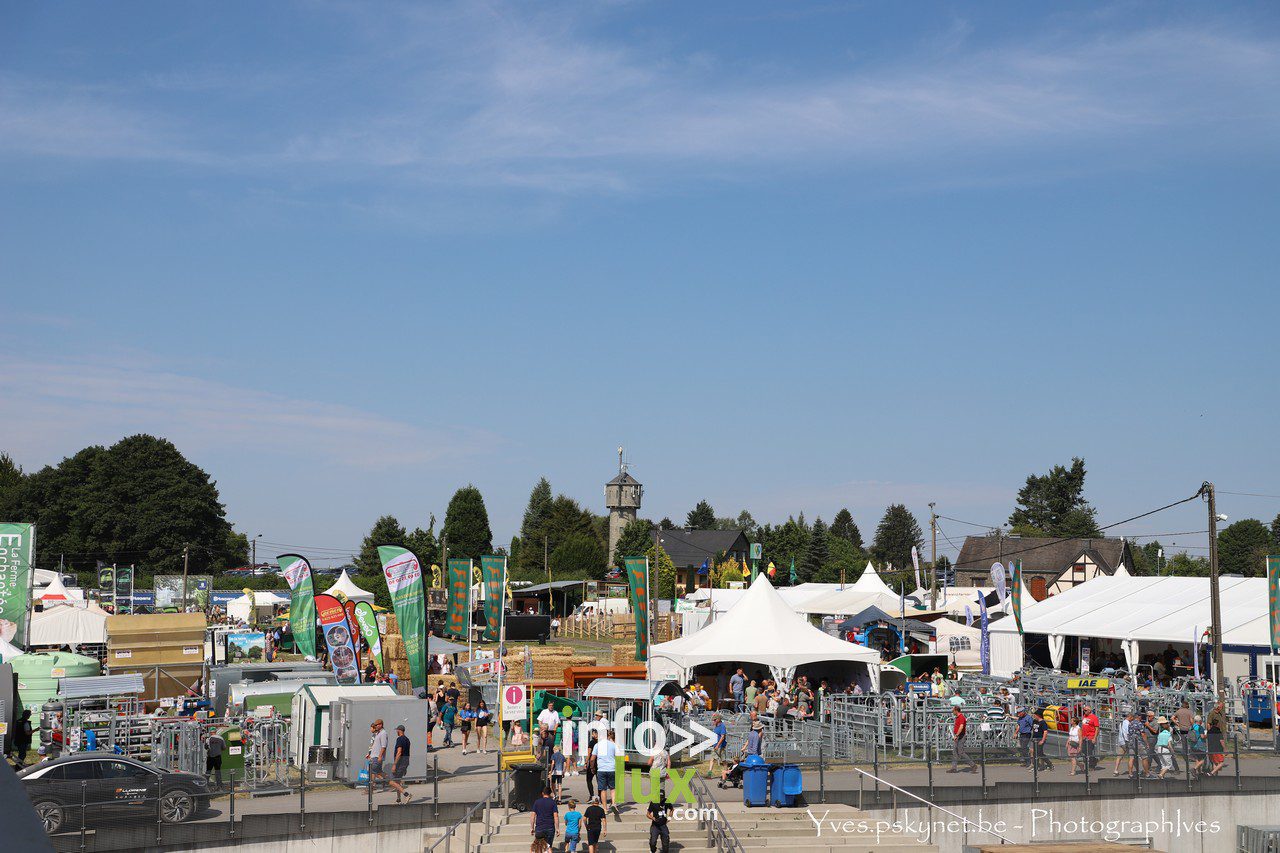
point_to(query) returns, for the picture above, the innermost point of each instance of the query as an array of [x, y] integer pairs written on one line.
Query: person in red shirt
[[1089, 737], [959, 730]]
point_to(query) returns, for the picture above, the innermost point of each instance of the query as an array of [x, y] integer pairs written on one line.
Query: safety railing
[[464, 823], [720, 834], [966, 822]]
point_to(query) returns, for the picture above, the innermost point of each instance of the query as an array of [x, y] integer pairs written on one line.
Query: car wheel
[[51, 815], [177, 806]]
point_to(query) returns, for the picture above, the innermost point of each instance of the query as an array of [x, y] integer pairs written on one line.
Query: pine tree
[[843, 527], [897, 533], [701, 517], [466, 525], [386, 531], [815, 556], [662, 574], [533, 528]]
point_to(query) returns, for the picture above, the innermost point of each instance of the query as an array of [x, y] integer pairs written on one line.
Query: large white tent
[[869, 591], [348, 588], [1132, 611], [760, 629], [244, 608], [722, 600], [66, 625]]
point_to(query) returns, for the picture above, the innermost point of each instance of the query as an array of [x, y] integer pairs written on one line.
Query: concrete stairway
[[845, 829]]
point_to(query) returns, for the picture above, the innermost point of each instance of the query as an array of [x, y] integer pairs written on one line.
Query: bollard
[[369, 788], [435, 786], [231, 807], [822, 779], [1235, 757], [84, 784], [1036, 749], [982, 757], [928, 760], [302, 799], [159, 811]]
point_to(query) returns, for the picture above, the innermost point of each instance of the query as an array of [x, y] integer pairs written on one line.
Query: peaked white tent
[[760, 629], [263, 600], [55, 592], [61, 625], [348, 588], [722, 600], [869, 590]]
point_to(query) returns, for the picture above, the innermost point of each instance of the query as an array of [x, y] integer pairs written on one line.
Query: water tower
[[622, 496]]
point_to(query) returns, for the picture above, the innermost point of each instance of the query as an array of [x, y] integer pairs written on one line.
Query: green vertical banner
[[17, 549], [403, 573], [493, 572], [367, 621], [1017, 594], [457, 616], [302, 602], [638, 580], [1273, 601]]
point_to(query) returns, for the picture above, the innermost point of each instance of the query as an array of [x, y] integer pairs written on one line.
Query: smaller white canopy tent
[[64, 625], [263, 601], [348, 588], [56, 593], [868, 591], [961, 642], [759, 629]]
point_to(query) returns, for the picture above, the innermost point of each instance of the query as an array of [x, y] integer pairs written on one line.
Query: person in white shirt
[[549, 718], [606, 758]]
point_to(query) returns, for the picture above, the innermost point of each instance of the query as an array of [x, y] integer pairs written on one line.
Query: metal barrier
[[720, 834], [496, 793], [931, 806]]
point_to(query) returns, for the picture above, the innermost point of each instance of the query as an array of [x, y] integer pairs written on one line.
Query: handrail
[[932, 805], [719, 830], [466, 818]]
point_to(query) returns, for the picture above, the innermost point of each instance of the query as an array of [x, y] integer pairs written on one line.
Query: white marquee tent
[[1133, 611], [348, 588], [262, 603], [56, 593], [869, 590], [722, 600], [65, 625], [761, 629]]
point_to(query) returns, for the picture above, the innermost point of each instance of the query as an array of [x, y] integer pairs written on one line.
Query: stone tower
[[622, 496]]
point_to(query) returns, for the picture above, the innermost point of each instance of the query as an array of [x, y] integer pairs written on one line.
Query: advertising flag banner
[[17, 549], [124, 590], [984, 646], [1273, 600], [493, 573], [998, 581], [403, 574], [106, 584], [350, 607], [1017, 594], [367, 621], [1195, 651], [337, 636], [457, 615], [915, 561], [638, 580], [302, 602], [968, 616]]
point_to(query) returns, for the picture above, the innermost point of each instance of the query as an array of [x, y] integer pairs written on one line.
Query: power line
[[1248, 494]]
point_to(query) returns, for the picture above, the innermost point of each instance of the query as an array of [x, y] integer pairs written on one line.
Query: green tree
[[579, 556], [423, 543], [843, 527], [1243, 548], [1186, 565], [636, 538], [11, 482], [666, 524], [662, 574], [534, 526], [466, 525], [1053, 504], [896, 535], [725, 572], [1146, 560], [746, 523], [1275, 535], [139, 501], [701, 517], [385, 531], [782, 544], [816, 555]]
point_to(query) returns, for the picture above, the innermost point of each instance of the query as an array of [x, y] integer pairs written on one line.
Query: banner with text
[[337, 636], [457, 615], [638, 580], [17, 549], [403, 574], [493, 571], [368, 622], [302, 602]]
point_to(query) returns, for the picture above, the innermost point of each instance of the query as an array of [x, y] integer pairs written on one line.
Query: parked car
[[111, 788]]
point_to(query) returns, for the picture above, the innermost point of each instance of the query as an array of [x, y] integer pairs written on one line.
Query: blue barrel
[[785, 784], [755, 785]]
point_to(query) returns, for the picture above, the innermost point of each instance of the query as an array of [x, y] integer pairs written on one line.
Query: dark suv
[[110, 788]]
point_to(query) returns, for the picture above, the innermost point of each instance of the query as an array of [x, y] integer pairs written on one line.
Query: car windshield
[[120, 770]]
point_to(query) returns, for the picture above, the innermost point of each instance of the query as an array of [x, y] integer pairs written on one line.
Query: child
[[557, 771], [540, 845], [572, 819]]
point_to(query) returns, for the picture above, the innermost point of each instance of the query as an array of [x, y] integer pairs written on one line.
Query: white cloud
[[62, 405]]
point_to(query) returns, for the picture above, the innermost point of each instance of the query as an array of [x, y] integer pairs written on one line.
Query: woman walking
[[1073, 746], [484, 720], [1164, 746], [466, 718]]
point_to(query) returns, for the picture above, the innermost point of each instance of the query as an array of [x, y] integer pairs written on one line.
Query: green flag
[[1273, 601], [493, 570], [794, 578], [367, 620], [403, 574], [1017, 594], [638, 580], [458, 616], [17, 548], [302, 602]]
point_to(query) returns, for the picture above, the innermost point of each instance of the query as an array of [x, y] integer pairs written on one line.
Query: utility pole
[[933, 564], [1215, 602], [186, 556], [546, 564], [253, 550]]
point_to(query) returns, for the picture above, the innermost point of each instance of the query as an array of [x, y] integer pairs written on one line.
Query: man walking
[[400, 765], [1025, 722], [1039, 734], [605, 757], [722, 740], [544, 818], [377, 751], [738, 687], [1089, 737], [659, 813], [959, 729]]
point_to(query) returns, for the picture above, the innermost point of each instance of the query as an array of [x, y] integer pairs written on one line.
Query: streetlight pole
[[1215, 602], [933, 565]]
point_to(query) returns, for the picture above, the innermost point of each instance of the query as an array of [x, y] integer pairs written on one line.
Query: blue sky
[[351, 257]]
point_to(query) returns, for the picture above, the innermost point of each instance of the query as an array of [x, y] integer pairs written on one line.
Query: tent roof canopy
[[345, 585], [875, 614], [760, 628]]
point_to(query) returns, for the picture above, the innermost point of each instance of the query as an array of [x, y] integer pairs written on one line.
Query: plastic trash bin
[[755, 782], [785, 784], [527, 782]]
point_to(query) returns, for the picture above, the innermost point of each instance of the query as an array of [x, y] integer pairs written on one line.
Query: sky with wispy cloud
[[793, 256]]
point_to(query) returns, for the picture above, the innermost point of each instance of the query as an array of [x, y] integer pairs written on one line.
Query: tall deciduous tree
[[843, 527], [1053, 504], [1275, 535], [662, 573], [385, 531], [815, 556], [466, 525], [636, 538], [579, 556], [1243, 548], [423, 543], [701, 517], [897, 533]]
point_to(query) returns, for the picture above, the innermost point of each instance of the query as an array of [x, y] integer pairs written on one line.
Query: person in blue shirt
[[572, 820], [721, 732], [1025, 722], [557, 771]]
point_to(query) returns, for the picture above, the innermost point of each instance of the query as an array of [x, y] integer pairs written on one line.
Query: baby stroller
[[733, 776]]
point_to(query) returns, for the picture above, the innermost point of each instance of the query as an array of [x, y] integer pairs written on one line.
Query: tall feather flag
[[493, 571], [302, 601], [915, 561], [1017, 593], [403, 573], [773, 570], [1273, 600], [997, 580], [984, 648], [968, 615], [638, 581], [794, 576]]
